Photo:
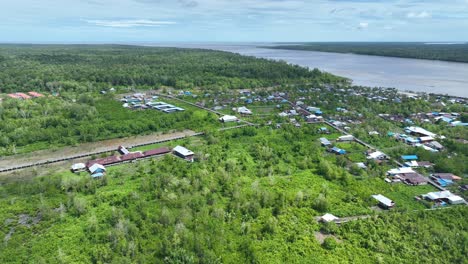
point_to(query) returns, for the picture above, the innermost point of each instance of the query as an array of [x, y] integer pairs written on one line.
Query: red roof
[[34, 94], [158, 151], [14, 96], [104, 161], [131, 156], [23, 95]]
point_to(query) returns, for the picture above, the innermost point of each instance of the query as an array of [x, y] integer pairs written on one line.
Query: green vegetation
[[78, 73], [247, 198], [445, 52], [253, 194]]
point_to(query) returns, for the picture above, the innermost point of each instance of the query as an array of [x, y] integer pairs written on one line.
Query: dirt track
[[83, 149]]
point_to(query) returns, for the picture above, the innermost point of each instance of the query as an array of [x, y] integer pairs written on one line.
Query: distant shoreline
[[451, 52]]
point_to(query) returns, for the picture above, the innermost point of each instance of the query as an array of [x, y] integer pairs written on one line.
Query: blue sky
[[232, 20]]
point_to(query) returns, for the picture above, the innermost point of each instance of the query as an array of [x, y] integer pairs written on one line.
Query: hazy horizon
[[91, 21]]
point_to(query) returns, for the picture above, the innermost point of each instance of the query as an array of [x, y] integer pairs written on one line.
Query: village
[[334, 130]]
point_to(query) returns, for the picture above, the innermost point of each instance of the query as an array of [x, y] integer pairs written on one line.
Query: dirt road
[[84, 149]]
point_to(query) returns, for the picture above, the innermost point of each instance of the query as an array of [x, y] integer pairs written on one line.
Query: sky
[[115, 21]]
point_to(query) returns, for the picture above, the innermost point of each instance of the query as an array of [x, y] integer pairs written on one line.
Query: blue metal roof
[[97, 175], [409, 157]]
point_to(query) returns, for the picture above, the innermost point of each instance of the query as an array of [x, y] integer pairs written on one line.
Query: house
[[346, 138], [338, 151], [323, 130], [394, 172], [409, 157], [446, 176], [328, 218], [78, 167], [435, 145], [97, 168], [413, 178], [377, 155], [443, 196], [426, 139], [183, 153], [373, 133], [23, 96], [384, 202], [244, 110], [445, 179], [123, 150], [155, 152], [418, 131], [35, 95], [325, 142], [228, 118], [416, 164]]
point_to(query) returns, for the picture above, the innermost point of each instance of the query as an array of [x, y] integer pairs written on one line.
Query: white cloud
[[422, 14], [129, 23], [363, 25]]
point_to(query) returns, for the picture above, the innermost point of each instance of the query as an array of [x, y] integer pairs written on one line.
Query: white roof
[[346, 137], [78, 166], [96, 167], [375, 155], [384, 200], [426, 138], [439, 195], [412, 163], [329, 217], [228, 118], [244, 110], [455, 198], [421, 130], [401, 170], [183, 151]]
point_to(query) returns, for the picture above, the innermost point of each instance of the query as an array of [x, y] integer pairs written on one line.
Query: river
[[375, 71]]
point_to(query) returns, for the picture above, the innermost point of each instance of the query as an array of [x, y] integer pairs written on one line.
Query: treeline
[[444, 52], [55, 67]]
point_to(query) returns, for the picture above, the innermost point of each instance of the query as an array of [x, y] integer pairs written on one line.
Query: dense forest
[[76, 74], [90, 68], [444, 52]]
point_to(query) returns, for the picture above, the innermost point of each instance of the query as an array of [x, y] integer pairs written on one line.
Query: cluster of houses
[[97, 167], [419, 137], [333, 149], [140, 101], [24, 96], [443, 198], [432, 117]]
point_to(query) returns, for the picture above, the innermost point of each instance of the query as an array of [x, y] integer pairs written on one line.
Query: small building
[[77, 167], [97, 168], [418, 131], [244, 110], [443, 196], [156, 152], [326, 218], [377, 155], [228, 118], [394, 172], [35, 94], [413, 178], [183, 153], [346, 138], [325, 142], [409, 157], [338, 151], [123, 150], [384, 202]]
